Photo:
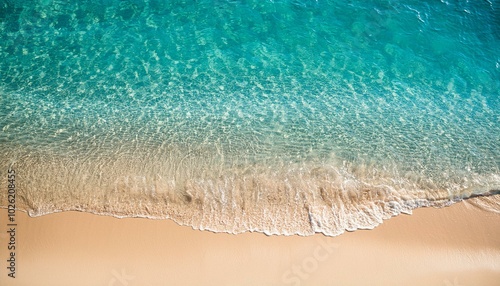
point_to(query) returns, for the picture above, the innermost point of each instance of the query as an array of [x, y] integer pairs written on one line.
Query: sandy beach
[[457, 245], [145, 143]]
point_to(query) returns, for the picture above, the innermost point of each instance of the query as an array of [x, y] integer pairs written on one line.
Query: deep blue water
[[248, 115]]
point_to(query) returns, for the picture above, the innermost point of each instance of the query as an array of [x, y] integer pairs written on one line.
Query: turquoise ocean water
[[285, 117]]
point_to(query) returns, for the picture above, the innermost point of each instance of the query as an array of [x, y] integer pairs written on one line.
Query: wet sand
[[457, 245]]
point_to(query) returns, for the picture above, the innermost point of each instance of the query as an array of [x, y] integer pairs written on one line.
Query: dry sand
[[458, 245]]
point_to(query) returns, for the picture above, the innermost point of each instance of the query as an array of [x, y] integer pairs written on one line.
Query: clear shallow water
[[275, 116]]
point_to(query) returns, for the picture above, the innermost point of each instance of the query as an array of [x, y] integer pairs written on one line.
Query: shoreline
[[455, 245]]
